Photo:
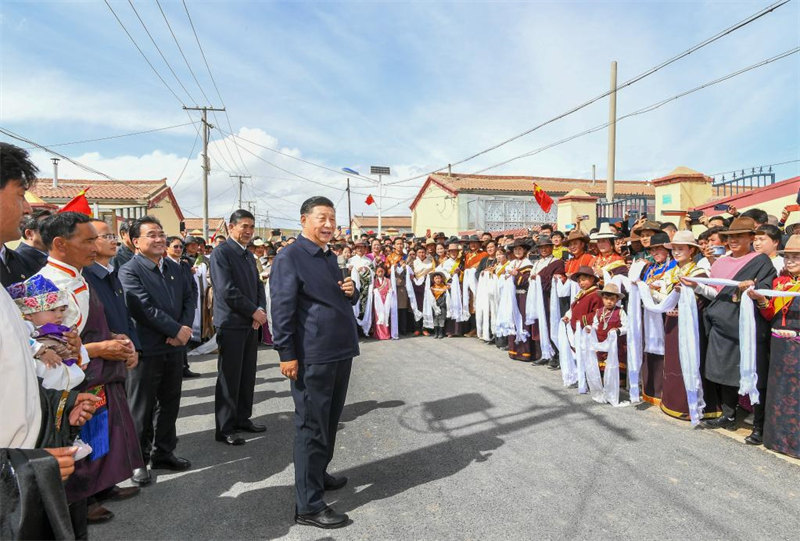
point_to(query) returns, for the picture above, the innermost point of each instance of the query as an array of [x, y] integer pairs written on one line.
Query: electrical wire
[[625, 84], [154, 130], [647, 109], [188, 159], [755, 167]]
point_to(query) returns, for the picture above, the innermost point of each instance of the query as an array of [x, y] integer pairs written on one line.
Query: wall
[[166, 214], [436, 210], [577, 203]]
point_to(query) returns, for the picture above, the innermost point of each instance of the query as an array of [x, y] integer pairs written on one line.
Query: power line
[[165, 128], [646, 109], [627, 83], [188, 159], [754, 167]]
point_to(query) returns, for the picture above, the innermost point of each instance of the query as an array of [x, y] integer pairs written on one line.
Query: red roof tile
[[387, 221], [99, 189]]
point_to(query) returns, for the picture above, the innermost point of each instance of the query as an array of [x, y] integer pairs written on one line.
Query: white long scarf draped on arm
[[365, 322], [653, 322], [569, 370], [505, 306], [634, 335], [555, 313], [611, 373], [428, 304], [394, 330], [454, 299], [483, 307], [748, 376], [534, 311], [689, 353], [412, 295], [469, 289]]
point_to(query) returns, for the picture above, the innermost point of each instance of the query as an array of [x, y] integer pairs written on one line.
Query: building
[[771, 198], [391, 225], [114, 200], [216, 226], [455, 203]]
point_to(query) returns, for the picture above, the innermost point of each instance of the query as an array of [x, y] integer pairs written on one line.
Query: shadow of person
[[355, 410]]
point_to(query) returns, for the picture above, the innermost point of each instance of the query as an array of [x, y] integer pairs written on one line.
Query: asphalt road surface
[[449, 439]]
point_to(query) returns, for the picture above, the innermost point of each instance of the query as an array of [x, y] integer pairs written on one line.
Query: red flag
[[370, 200], [544, 200], [79, 203]]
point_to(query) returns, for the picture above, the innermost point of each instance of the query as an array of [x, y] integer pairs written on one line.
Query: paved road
[[448, 439]]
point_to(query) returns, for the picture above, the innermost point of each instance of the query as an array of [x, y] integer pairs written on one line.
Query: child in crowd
[[439, 290], [382, 303], [586, 302], [610, 318]]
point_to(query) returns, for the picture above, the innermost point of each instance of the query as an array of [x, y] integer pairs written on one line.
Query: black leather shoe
[[171, 462], [252, 427], [230, 439], [142, 477], [117, 494], [189, 374], [756, 437], [334, 483], [97, 514], [540, 362], [720, 422], [327, 518], [554, 365]]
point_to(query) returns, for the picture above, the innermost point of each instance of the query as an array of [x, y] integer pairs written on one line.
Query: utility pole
[[240, 177], [612, 133], [206, 165], [380, 171], [349, 214]]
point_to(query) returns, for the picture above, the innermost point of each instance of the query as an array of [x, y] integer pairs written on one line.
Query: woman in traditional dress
[[520, 271], [655, 278], [382, 304], [673, 393], [377, 256], [423, 265], [453, 266], [500, 271], [405, 315], [608, 259], [781, 430]]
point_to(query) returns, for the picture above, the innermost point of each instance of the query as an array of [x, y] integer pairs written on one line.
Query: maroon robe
[[546, 274], [614, 322], [522, 351], [583, 309]]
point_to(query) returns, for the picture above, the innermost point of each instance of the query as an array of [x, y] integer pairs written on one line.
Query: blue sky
[[410, 85]]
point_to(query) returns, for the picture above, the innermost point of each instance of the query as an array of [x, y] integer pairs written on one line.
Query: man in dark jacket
[[32, 250], [162, 306], [126, 248], [239, 311], [314, 331]]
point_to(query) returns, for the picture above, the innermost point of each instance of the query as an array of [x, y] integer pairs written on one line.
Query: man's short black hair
[[16, 164], [33, 221], [668, 225], [316, 201], [760, 216], [559, 233], [135, 230], [241, 214], [124, 227], [705, 235], [546, 226], [62, 224], [771, 231], [173, 238]]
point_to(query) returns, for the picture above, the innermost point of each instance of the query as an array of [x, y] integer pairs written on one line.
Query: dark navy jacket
[[159, 305], [238, 292], [34, 259], [107, 287], [312, 320]]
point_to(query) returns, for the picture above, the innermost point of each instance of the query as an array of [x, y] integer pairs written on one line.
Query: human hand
[[704, 220], [565, 319], [184, 335], [290, 369], [348, 287], [73, 342], [50, 358], [111, 350], [84, 409], [588, 330], [132, 361], [732, 211], [785, 214], [65, 456], [746, 284], [687, 282], [673, 313], [260, 316], [756, 296]]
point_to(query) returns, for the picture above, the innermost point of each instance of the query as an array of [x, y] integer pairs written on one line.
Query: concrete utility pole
[[380, 171], [349, 214], [55, 171], [612, 133], [206, 165], [241, 182]]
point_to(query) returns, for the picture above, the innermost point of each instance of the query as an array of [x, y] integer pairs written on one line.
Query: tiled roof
[[553, 186], [387, 221], [215, 224], [751, 198], [99, 189]]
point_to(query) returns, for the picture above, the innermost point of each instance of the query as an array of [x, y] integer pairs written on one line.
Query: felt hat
[[439, 235], [604, 232], [522, 241], [428, 242], [258, 242], [742, 224], [453, 246], [659, 239], [648, 225], [611, 289], [37, 294], [577, 234], [583, 271], [685, 238], [544, 240], [190, 239], [474, 238], [792, 245]]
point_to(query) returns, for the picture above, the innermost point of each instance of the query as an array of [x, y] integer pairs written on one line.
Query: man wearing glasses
[[162, 305]]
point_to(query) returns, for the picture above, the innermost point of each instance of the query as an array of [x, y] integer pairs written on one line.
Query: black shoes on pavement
[[171, 462], [142, 477], [727, 423], [189, 374], [327, 519], [230, 439], [756, 437], [252, 427], [334, 483]]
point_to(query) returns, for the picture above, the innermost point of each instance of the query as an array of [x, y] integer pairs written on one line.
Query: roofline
[[759, 195], [430, 180]]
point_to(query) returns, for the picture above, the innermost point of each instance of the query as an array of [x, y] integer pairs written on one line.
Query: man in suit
[[126, 248], [32, 249], [239, 311], [314, 331], [161, 303]]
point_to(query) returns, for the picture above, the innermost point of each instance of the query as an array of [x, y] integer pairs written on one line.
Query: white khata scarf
[[365, 322], [653, 322], [534, 311], [483, 307], [469, 291]]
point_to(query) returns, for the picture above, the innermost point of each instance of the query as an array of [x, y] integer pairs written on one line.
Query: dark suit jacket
[[238, 292], [160, 305], [14, 270], [124, 255], [108, 288], [33, 258]]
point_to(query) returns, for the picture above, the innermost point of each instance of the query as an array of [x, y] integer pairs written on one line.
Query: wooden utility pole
[[206, 164], [241, 182], [349, 215]]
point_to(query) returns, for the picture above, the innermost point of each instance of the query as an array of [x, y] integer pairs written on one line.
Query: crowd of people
[[98, 327]]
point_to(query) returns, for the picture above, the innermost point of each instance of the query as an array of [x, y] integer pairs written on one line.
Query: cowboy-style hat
[[439, 235], [685, 238], [659, 239], [429, 242], [522, 241], [544, 240], [583, 271], [453, 246], [742, 224], [360, 242], [577, 234], [648, 225], [611, 289], [792, 245], [604, 232], [190, 239], [474, 238]]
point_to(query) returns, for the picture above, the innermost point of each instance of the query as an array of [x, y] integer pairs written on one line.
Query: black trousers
[[154, 396], [319, 395], [236, 378]]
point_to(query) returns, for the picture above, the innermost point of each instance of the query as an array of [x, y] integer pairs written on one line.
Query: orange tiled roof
[[99, 189], [387, 221], [214, 224]]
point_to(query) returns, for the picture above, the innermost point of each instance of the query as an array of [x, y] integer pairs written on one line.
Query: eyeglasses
[[109, 236], [177, 246]]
